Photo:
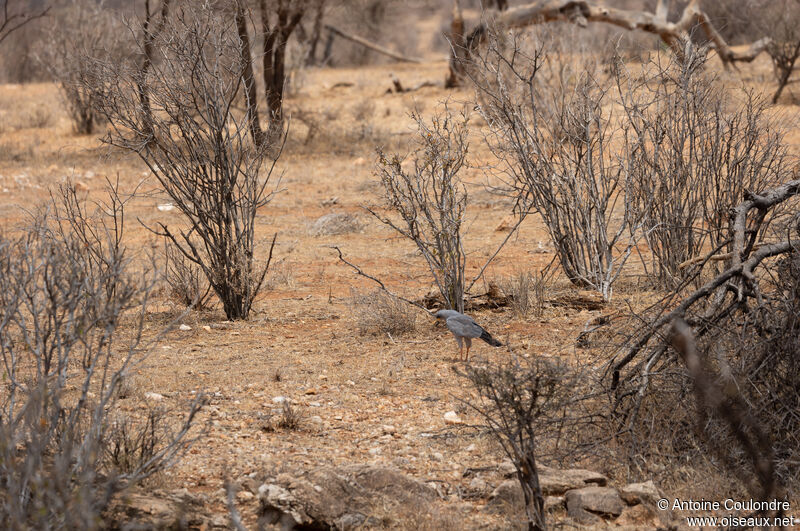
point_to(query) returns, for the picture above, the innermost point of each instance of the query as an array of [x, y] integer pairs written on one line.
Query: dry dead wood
[[581, 12], [728, 404], [372, 46], [738, 279]]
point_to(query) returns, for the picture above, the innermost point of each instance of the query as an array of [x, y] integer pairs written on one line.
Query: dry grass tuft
[[289, 419], [526, 292], [379, 313]]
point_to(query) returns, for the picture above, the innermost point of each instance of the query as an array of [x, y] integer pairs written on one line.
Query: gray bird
[[464, 327]]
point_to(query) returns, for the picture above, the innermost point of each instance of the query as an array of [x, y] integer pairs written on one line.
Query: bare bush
[[289, 418], [85, 30], [742, 319], [554, 138], [431, 201], [522, 406], [15, 15], [198, 146], [66, 289], [695, 156], [381, 313]]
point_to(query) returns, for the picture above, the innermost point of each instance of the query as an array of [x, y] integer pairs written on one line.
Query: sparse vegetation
[[67, 287], [659, 343], [380, 313], [198, 147]]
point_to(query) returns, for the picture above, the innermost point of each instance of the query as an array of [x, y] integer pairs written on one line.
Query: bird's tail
[[486, 336]]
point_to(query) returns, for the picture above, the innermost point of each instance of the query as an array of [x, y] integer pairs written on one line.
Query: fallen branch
[[581, 12], [372, 46], [738, 278], [728, 405], [381, 285]]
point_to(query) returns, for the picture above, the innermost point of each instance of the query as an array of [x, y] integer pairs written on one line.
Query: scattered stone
[[557, 482], [185, 327], [166, 207], [451, 417], [388, 429], [325, 498], [506, 494], [317, 422], [636, 493], [153, 396], [336, 223], [81, 186], [207, 328], [478, 486], [311, 391], [279, 399], [586, 503]]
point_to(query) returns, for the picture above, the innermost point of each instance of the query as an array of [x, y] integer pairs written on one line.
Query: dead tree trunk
[[149, 35], [249, 78], [287, 15], [581, 12]]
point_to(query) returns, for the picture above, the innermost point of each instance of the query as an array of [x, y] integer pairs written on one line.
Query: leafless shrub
[[523, 404], [85, 30], [555, 138], [427, 202], [66, 288], [15, 15], [742, 320], [381, 313], [726, 403], [695, 156], [197, 145], [185, 279], [431, 200], [131, 443], [781, 19]]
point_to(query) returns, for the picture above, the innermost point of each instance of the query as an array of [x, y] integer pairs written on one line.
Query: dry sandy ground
[[302, 341]]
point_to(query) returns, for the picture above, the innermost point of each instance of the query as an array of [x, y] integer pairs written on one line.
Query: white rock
[[451, 417], [166, 207], [185, 327], [388, 429], [153, 396], [279, 399]]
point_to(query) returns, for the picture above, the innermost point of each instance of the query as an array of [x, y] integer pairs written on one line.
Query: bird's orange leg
[[467, 358]]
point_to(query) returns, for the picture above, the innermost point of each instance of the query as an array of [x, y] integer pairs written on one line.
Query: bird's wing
[[464, 326]]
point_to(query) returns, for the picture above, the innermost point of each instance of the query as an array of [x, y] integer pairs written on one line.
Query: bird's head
[[444, 314]]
